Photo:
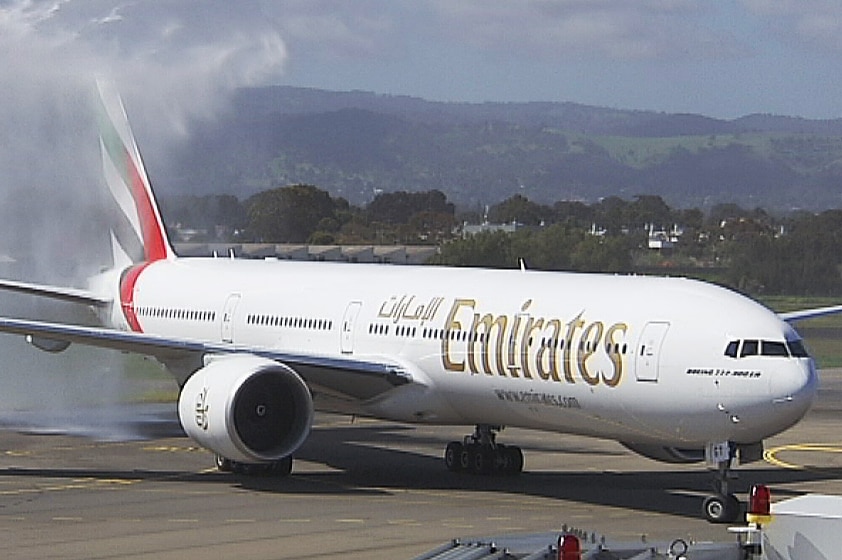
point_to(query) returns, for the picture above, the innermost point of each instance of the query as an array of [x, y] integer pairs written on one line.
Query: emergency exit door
[[649, 350], [228, 317], [347, 332]]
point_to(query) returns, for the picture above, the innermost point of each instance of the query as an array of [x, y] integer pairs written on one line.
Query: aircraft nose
[[796, 388]]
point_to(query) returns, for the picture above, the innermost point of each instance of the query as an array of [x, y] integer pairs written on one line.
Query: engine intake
[[246, 408]]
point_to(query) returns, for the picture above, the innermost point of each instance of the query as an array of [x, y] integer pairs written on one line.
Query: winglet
[[128, 182]]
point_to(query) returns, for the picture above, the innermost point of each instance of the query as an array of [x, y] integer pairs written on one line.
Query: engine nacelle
[[246, 408], [48, 344]]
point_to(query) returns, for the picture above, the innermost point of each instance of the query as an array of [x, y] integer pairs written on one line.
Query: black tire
[[482, 460], [453, 456], [242, 468], [513, 460], [721, 509], [465, 461], [223, 464], [282, 468]]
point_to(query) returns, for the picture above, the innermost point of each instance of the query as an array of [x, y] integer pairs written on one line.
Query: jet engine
[[246, 408]]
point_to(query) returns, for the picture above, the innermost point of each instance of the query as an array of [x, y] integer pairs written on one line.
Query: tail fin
[[142, 237]]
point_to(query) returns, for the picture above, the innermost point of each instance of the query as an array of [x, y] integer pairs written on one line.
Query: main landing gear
[[280, 468], [723, 506], [481, 454]]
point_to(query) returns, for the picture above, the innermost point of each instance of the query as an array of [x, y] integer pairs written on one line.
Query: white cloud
[[656, 29], [814, 24], [339, 30], [171, 54]]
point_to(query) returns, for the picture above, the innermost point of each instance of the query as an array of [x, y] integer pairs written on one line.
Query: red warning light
[[569, 548], [759, 505], [760, 501]]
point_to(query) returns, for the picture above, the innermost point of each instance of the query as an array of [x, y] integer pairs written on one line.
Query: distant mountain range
[[356, 144]]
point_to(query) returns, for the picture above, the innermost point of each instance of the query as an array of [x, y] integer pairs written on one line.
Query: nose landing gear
[[481, 454], [723, 506]]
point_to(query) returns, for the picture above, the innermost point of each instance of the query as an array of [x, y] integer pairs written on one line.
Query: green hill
[[355, 144]]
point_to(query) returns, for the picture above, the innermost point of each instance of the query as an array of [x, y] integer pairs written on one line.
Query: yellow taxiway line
[[771, 455]]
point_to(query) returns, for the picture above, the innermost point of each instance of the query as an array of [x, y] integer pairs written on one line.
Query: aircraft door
[[649, 351], [228, 317], [346, 342]]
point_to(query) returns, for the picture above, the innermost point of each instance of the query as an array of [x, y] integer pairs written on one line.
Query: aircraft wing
[[803, 315], [72, 295], [346, 377]]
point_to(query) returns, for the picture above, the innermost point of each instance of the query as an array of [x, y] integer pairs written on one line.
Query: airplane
[[674, 369]]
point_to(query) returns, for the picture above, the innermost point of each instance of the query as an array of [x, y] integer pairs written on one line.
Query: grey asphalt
[[365, 489]]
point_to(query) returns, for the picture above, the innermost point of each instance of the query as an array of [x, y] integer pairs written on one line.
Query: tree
[[518, 209], [405, 217], [574, 213], [725, 211], [811, 252], [399, 207], [611, 213], [288, 214], [602, 254], [804, 261], [489, 249], [547, 248], [206, 212], [649, 209]]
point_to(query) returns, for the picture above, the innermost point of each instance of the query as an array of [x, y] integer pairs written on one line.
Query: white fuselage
[[634, 359]]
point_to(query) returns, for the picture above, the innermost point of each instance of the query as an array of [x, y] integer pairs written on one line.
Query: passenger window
[[750, 348], [731, 349], [796, 348], [770, 348]]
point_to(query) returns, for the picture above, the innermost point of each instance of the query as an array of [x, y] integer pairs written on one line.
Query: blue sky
[[720, 58]]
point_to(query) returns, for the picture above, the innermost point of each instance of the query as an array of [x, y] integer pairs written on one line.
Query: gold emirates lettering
[[531, 347]]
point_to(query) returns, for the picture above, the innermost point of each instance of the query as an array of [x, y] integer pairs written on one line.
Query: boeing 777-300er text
[[674, 369]]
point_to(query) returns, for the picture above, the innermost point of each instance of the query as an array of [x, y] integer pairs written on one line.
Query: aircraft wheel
[[721, 509], [502, 459], [482, 460], [513, 460], [242, 468], [453, 456], [223, 464], [465, 462], [282, 468]]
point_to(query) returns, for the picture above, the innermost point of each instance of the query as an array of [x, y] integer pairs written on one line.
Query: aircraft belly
[[531, 404]]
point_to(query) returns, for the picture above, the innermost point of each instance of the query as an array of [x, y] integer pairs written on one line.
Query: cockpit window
[[796, 348], [732, 348], [771, 348], [750, 348]]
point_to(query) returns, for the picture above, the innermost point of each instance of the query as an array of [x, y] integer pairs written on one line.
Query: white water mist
[[173, 61]]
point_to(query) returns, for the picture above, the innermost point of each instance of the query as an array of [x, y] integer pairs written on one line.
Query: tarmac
[[365, 489]]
